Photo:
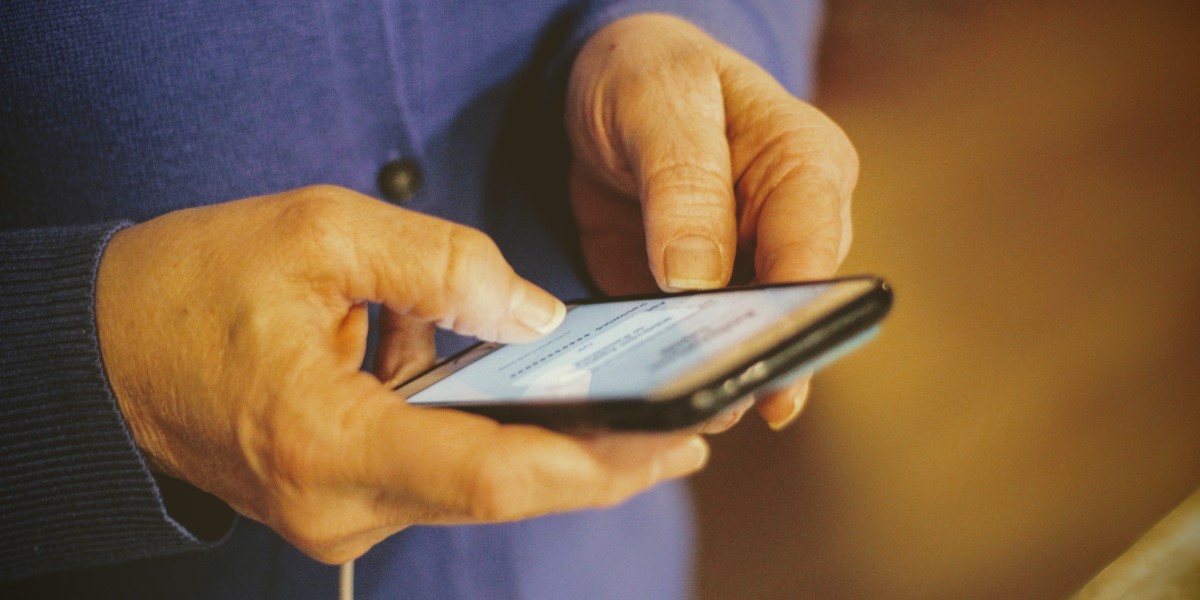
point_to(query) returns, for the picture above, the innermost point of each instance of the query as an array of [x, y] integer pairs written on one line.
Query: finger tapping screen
[[621, 349]]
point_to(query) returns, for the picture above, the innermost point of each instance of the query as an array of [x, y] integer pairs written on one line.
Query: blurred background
[[1031, 185]]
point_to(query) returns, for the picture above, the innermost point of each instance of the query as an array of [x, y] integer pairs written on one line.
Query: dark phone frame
[[825, 335]]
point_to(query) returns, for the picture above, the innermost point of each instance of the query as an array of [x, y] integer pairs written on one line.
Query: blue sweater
[[115, 112]]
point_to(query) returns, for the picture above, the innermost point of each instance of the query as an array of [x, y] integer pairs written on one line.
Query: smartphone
[[658, 362]]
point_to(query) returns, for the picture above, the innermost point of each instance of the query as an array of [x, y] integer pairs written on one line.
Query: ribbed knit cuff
[[74, 489]]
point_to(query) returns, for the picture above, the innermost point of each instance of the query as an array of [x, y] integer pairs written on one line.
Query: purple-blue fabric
[[112, 113]]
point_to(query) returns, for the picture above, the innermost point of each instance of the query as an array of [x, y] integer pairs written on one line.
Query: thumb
[[646, 112], [676, 148]]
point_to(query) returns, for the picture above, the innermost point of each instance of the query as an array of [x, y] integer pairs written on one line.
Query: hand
[[690, 159], [233, 334]]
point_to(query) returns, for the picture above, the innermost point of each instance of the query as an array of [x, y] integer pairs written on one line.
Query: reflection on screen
[[621, 349]]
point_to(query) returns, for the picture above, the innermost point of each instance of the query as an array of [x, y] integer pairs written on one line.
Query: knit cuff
[[74, 488]]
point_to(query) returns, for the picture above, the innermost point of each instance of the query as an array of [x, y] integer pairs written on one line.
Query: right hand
[[233, 334]]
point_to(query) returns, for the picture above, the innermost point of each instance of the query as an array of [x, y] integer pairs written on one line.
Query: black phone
[[658, 362]]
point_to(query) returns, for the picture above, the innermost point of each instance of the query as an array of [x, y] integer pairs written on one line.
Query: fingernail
[[797, 400], [692, 262], [539, 311], [685, 458], [729, 417]]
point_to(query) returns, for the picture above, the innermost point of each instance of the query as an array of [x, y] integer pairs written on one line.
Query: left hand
[[690, 155]]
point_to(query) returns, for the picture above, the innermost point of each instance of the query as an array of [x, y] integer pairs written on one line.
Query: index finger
[[673, 137], [423, 266], [795, 171]]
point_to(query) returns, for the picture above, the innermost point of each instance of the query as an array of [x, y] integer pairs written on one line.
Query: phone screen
[[614, 350]]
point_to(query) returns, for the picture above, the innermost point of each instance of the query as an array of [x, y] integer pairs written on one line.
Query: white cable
[[346, 581]]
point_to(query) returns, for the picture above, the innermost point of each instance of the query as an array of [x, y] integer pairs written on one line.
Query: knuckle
[[672, 172], [814, 169], [804, 141], [313, 204], [690, 183], [465, 247], [468, 256], [316, 225], [315, 214]]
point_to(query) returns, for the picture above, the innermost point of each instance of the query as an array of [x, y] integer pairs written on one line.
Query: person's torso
[[128, 110]]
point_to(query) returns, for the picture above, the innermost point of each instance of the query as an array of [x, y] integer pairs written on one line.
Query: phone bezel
[[849, 309]]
